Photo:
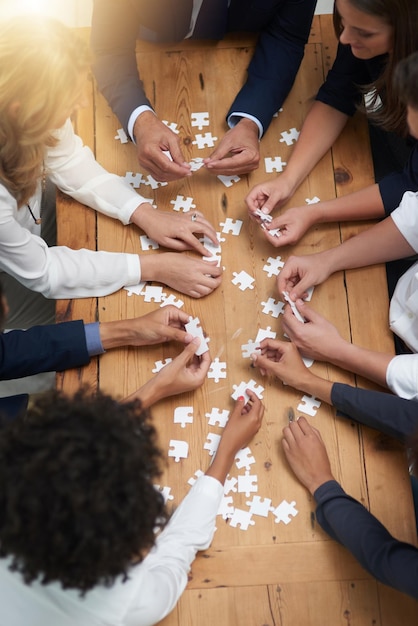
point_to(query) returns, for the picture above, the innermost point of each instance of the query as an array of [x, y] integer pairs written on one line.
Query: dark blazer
[[49, 348], [283, 25]]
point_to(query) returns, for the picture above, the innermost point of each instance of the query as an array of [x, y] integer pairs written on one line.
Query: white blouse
[[59, 272]]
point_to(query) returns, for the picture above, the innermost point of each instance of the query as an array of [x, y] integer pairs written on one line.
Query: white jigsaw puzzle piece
[[194, 328], [183, 415], [293, 307], [178, 449]]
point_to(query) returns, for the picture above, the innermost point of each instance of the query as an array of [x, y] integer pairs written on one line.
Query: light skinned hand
[[268, 195], [317, 338], [153, 138], [191, 276], [159, 326], [299, 273], [175, 230], [306, 454], [293, 224], [282, 360], [238, 151]]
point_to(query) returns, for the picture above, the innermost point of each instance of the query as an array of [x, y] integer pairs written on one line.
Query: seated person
[[79, 512], [283, 27], [391, 561], [43, 71]]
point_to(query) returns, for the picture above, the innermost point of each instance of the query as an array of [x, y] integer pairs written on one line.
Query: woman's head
[[380, 27], [42, 70]]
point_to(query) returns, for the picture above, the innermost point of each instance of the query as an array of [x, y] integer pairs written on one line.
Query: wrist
[[148, 394], [115, 334], [318, 481]]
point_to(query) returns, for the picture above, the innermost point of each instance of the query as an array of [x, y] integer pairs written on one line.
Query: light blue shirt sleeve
[[93, 340]]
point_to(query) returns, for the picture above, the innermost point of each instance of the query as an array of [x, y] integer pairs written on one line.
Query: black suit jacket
[[283, 25]]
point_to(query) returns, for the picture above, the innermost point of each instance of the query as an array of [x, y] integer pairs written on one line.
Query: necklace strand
[[38, 220]]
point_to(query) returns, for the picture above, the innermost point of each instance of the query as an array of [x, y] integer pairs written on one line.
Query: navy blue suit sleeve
[[49, 348], [394, 416], [276, 61], [393, 187], [340, 89], [392, 562]]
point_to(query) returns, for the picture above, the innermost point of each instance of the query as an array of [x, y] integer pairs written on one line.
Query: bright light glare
[[9, 8]]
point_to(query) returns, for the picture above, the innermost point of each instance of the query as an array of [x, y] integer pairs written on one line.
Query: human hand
[[238, 152], [184, 373], [243, 423], [281, 359], [193, 277], [293, 224], [306, 454], [153, 139], [317, 338], [299, 273], [162, 325], [176, 231], [268, 195]]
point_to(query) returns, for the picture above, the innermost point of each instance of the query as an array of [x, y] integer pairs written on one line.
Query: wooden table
[[272, 573]]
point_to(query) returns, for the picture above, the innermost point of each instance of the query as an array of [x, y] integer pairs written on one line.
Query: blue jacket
[[283, 25]]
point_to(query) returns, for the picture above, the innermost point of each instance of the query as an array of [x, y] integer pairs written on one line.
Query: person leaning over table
[[79, 512], [396, 237], [283, 27], [374, 36], [59, 347], [43, 68], [391, 561]]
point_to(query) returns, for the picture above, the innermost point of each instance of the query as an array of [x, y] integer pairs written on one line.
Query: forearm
[[117, 334], [381, 243], [222, 463], [321, 128], [367, 363], [360, 205]]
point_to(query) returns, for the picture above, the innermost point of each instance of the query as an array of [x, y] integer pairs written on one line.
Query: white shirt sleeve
[[58, 272], [406, 218], [402, 376], [164, 571], [73, 168]]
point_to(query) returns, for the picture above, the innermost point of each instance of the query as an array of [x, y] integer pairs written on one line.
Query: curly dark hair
[[405, 80], [77, 501]]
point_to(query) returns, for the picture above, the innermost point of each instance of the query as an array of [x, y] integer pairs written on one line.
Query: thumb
[[306, 311], [189, 350]]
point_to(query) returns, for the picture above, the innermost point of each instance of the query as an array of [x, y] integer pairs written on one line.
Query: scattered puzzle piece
[[243, 280], [154, 184], [136, 289], [165, 492], [178, 449], [153, 293], [313, 200], [289, 136], [231, 226], [259, 506], [265, 333], [160, 364], [230, 484], [198, 473], [273, 307], [183, 415], [309, 405], [121, 136], [241, 519], [134, 179], [147, 243], [171, 299], [228, 181], [226, 508], [204, 141], [217, 370], [247, 483], [244, 458], [273, 266], [212, 443], [200, 119], [218, 417], [274, 165], [183, 204], [284, 512]]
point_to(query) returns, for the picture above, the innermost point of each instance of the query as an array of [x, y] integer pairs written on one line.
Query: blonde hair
[[41, 64]]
